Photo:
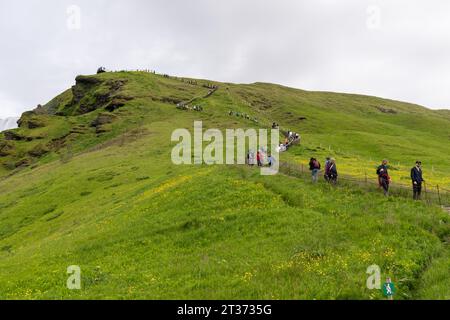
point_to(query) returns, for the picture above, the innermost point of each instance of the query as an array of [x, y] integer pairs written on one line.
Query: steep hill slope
[[88, 181], [358, 130]]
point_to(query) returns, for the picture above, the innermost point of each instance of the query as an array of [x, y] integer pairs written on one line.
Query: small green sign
[[389, 289]]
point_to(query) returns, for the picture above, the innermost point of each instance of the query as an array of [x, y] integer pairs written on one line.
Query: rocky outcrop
[[6, 148], [102, 122], [91, 93], [14, 136], [31, 120], [117, 103], [386, 110], [38, 151], [23, 163], [58, 143]]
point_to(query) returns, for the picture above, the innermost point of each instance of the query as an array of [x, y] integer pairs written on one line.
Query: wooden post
[[439, 195], [426, 193]]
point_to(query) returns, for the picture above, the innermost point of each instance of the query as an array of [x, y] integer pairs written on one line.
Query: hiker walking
[[251, 158], [271, 160], [383, 177], [259, 158], [327, 168], [417, 179], [314, 166], [332, 171]]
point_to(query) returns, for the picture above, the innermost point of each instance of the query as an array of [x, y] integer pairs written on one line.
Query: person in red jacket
[[258, 159]]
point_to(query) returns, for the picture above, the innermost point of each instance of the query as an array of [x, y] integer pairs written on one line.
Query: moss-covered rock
[[13, 135], [6, 148], [102, 119], [39, 151], [31, 120], [25, 162]]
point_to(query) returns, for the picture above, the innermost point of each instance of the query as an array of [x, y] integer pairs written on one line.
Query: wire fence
[[431, 194]]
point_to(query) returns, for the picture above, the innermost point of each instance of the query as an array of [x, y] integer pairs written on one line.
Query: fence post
[[439, 195], [426, 193]]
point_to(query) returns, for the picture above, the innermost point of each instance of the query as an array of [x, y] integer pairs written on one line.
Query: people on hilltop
[[314, 166], [384, 179], [184, 106], [417, 180], [243, 115], [197, 108], [101, 70]]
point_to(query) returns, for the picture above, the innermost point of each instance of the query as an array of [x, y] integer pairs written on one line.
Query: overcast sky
[[396, 49]]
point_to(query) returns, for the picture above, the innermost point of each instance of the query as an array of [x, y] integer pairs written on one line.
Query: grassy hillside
[[87, 180]]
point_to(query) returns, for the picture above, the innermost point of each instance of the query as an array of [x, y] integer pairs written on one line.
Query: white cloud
[[9, 107], [316, 45]]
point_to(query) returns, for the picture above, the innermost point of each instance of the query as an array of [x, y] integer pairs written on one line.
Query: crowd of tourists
[[384, 179], [182, 106], [243, 115], [260, 158]]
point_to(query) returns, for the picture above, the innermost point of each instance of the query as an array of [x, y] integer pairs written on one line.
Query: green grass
[[142, 228]]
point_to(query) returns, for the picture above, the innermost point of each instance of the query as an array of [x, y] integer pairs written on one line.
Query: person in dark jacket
[[417, 179], [332, 171], [383, 177], [327, 168], [314, 166]]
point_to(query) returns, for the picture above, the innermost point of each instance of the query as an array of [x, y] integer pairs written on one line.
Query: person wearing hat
[[327, 168], [332, 171], [383, 177], [417, 179]]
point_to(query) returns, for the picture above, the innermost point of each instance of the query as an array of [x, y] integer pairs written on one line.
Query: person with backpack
[[314, 166], [383, 177], [327, 168], [332, 174], [417, 179]]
